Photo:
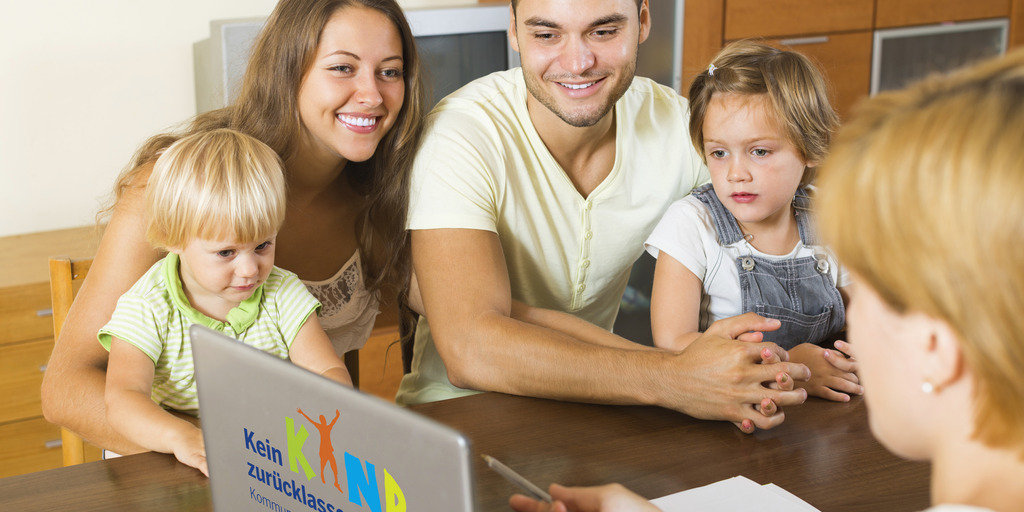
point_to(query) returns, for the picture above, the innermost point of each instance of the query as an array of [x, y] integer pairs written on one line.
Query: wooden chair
[[64, 272]]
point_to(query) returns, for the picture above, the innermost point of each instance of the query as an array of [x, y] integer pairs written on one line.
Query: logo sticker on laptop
[[360, 477]]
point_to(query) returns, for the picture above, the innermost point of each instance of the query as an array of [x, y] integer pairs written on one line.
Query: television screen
[[451, 61]]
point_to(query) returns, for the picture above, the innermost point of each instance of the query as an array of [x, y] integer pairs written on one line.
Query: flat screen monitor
[[460, 44]]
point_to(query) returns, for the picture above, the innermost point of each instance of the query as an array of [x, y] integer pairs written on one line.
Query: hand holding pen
[[611, 497], [527, 486]]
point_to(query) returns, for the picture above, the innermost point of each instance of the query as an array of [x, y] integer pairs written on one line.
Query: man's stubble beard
[[582, 119]]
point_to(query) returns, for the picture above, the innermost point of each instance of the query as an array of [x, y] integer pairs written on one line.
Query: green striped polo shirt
[[154, 316]]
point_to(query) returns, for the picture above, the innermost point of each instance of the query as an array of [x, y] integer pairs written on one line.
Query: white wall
[[82, 84]]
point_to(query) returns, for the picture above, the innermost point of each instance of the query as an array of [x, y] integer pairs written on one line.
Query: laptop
[[281, 438]]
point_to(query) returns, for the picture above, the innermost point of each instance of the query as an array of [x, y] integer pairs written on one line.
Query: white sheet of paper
[[799, 504], [736, 494]]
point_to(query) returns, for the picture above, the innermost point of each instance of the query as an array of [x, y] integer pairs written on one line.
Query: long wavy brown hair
[[267, 109]]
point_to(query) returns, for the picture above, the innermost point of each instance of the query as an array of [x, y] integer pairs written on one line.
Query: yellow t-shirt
[[482, 165]]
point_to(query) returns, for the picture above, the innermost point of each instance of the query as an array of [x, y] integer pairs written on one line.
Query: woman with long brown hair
[[333, 87]]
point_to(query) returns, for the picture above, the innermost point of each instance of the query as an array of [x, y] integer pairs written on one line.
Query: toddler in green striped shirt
[[215, 202]]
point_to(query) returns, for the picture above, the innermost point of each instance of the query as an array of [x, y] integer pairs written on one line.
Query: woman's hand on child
[[833, 375], [190, 449], [610, 498]]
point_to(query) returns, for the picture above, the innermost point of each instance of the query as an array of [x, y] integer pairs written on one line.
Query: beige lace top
[[349, 310]]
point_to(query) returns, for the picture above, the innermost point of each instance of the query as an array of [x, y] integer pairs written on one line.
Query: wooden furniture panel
[[756, 18], [25, 312], [846, 61], [23, 257], [25, 282], [701, 43], [901, 13], [27, 442], [711, 23], [21, 374], [29, 445], [33, 445], [1016, 24]]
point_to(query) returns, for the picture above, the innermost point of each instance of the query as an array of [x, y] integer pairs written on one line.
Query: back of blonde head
[[797, 94], [921, 198], [219, 184]]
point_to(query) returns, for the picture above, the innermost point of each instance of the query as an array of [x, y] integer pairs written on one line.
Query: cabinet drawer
[[757, 18], [21, 375], [846, 61], [34, 445], [25, 313], [901, 13], [27, 446]]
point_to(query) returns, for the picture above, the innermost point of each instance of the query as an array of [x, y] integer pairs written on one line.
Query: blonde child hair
[[796, 90], [921, 199], [217, 184]]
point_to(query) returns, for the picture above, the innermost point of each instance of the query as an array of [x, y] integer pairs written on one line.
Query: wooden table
[[823, 453]]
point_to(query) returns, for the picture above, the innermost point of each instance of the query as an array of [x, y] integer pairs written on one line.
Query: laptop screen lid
[[264, 423]]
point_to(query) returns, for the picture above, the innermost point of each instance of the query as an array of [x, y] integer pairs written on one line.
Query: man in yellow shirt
[[532, 194]]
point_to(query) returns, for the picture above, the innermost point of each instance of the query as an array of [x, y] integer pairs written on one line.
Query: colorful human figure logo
[[326, 448]]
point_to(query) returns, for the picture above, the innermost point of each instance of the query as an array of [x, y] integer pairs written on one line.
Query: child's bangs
[[240, 222]]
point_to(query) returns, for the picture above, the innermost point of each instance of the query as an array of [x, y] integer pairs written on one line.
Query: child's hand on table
[[833, 375]]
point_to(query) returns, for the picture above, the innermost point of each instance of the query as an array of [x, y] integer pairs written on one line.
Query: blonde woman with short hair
[[921, 199]]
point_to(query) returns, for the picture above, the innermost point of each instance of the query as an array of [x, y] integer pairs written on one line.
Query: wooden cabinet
[[756, 18], [28, 445], [27, 441], [845, 58], [837, 33], [21, 373], [25, 311], [902, 13]]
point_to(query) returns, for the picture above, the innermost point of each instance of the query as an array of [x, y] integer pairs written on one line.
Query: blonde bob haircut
[[797, 95], [215, 185], [921, 199]]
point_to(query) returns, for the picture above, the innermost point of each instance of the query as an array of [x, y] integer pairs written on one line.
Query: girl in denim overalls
[[761, 118]]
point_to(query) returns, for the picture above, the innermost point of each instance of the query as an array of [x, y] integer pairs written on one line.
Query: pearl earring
[[927, 387]]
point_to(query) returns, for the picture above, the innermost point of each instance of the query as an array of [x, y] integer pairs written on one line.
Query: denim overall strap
[[725, 224], [729, 231], [802, 212], [799, 292]]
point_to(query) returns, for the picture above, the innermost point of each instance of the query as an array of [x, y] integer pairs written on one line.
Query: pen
[[532, 490]]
